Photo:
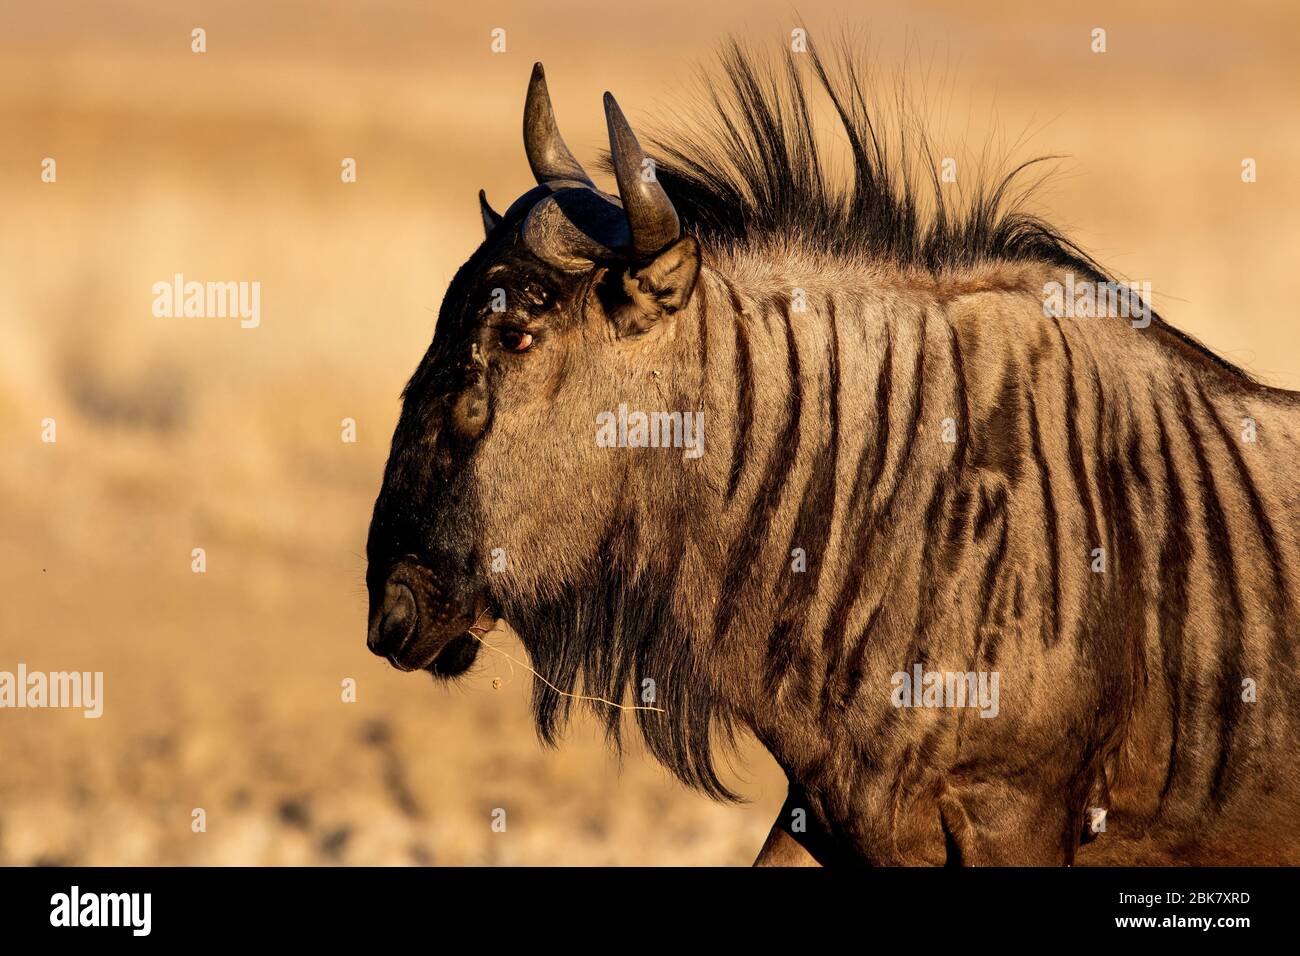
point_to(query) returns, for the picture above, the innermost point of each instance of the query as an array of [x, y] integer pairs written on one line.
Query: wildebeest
[[915, 467]]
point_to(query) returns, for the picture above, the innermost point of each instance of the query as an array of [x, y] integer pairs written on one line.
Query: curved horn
[[650, 213], [547, 154]]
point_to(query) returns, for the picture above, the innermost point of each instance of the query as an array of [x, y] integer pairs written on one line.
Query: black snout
[[420, 619], [396, 621]]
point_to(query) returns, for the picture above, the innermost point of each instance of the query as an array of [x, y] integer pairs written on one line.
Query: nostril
[[397, 619]]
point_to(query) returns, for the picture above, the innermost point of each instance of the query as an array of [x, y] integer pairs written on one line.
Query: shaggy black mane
[[753, 171]]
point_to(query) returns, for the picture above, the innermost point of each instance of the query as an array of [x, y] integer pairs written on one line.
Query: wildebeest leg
[[781, 849], [788, 841]]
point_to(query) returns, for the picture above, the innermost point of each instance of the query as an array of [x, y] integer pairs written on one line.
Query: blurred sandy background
[[223, 689]]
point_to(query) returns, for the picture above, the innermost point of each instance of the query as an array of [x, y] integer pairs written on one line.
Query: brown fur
[[825, 432]]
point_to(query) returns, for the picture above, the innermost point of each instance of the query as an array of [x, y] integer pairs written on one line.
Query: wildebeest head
[[495, 490]]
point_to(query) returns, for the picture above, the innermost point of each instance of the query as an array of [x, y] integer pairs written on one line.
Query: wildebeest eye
[[516, 340], [536, 296]]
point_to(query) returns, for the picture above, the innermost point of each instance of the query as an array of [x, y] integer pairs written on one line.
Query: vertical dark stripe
[[1125, 619], [1229, 604], [1280, 606], [702, 297], [737, 305], [1175, 569], [909, 432], [962, 396], [855, 666], [1049, 514], [754, 536], [744, 406], [1094, 584], [858, 513], [832, 635], [928, 593], [812, 529], [948, 519], [947, 515], [1102, 451], [861, 515], [990, 509], [1078, 471], [782, 644], [879, 446]]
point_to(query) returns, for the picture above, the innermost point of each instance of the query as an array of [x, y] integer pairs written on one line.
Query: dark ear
[[491, 218], [658, 289]]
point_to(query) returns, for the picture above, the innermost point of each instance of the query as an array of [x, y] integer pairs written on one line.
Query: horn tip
[[612, 112], [538, 72]]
